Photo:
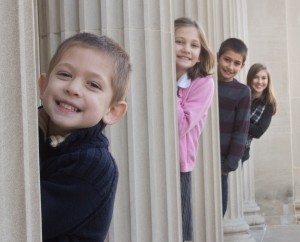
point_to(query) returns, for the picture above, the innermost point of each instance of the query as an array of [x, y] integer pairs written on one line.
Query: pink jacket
[[193, 103]]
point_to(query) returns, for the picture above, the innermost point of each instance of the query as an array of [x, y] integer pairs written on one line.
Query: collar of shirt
[[44, 121], [184, 81]]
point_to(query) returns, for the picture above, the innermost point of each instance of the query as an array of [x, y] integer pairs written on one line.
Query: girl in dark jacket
[[263, 104]]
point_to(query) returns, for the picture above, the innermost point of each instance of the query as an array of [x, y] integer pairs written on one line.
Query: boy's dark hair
[[119, 59], [206, 57], [235, 45]]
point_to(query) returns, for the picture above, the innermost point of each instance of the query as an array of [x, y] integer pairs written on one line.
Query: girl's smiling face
[[78, 91], [187, 49], [259, 83]]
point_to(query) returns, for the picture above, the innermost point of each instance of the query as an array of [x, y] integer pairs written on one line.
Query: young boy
[[234, 108], [84, 89]]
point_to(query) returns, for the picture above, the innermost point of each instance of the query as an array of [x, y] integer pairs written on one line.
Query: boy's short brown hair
[[119, 57], [235, 45]]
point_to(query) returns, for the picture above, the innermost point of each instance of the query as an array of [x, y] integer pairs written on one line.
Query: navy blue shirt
[[78, 185]]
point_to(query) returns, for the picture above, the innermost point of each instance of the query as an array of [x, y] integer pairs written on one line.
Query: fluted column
[[19, 172], [234, 24], [235, 226], [251, 209], [152, 155], [207, 210], [206, 178]]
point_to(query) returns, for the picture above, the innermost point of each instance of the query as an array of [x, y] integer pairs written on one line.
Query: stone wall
[[273, 34]]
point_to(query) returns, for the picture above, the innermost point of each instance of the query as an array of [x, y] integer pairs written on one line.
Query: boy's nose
[[230, 65], [74, 88]]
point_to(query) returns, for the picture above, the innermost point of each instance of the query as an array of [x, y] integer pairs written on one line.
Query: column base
[[251, 215], [255, 219], [237, 230], [245, 237]]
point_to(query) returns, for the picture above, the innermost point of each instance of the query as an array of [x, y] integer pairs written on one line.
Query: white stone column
[[19, 168], [235, 226], [206, 192], [233, 23], [207, 209], [151, 161], [251, 209]]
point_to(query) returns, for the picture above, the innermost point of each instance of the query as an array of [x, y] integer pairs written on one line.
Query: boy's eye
[[64, 75], [178, 41], [237, 63], [94, 85], [226, 59]]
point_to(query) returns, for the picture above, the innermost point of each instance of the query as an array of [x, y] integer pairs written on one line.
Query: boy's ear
[[115, 113], [42, 84]]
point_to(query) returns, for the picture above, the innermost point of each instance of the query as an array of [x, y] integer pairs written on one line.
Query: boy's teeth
[[69, 107]]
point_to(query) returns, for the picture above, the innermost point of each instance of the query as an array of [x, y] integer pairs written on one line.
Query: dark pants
[[224, 193], [186, 205]]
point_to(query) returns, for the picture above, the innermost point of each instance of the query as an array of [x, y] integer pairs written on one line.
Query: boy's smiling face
[[78, 92], [229, 64]]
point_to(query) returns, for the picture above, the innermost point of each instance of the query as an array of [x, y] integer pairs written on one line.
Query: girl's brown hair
[[268, 94], [206, 57]]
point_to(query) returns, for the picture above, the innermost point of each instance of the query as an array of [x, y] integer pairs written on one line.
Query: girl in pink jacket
[[195, 89]]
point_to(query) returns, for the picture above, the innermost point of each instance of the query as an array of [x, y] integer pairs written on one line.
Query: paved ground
[[280, 233]]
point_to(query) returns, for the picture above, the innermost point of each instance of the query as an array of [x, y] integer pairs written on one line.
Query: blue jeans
[[224, 193]]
